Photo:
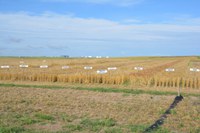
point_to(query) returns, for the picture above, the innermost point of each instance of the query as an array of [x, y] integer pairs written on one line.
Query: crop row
[[117, 79]]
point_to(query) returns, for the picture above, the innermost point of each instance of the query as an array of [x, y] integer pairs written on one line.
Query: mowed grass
[[40, 109]]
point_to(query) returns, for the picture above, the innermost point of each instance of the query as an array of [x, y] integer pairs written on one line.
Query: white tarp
[[65, 67], [102, 71], [169, 69], [23, 66], [87, 67], [44, 66], [194, 70], [139, 68], [112, 68], [5, 66]]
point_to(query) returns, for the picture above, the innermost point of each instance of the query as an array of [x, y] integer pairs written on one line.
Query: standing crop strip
[[153, 73]]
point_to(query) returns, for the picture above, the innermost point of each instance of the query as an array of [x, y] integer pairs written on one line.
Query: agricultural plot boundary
[[103, 90], [148, 73]]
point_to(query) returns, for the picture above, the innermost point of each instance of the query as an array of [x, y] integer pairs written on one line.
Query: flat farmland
[[67, 110], [153, 74], [122, 100]]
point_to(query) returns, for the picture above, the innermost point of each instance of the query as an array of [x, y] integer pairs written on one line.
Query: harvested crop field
[[68, 110], [155, 72]]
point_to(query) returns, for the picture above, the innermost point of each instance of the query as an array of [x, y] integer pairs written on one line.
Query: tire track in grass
[[161, 120]]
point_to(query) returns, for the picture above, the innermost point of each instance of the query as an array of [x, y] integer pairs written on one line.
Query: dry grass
[[69, 110], [186, 116], [37, 109], [152, 76]]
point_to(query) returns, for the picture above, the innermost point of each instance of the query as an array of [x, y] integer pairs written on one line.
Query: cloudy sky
[[99, 27]]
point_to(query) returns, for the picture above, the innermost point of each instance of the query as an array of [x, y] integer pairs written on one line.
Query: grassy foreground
[[37, 108]]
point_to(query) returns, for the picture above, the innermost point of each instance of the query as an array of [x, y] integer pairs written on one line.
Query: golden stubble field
[[69, 110], [76, 100], [152, 75]]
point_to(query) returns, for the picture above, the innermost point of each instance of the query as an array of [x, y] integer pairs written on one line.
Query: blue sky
[[99, 27]]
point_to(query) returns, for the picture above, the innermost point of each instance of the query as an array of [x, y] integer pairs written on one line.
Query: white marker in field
[[44, 66], [87, 67], [112, 68], [169, 70], [139, 68], [194, 70], [102, 71], [3, 67], [65, 67], [23, 66], [98, 57]]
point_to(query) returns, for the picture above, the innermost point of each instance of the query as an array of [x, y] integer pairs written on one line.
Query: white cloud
[[111, 2], [131, 21], [50, 30]]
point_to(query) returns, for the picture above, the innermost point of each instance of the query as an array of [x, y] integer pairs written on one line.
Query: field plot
[[68, 110], [112, 71], [106, 95]]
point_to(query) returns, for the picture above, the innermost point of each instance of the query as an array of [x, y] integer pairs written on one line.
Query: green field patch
[[113, 130], [74, 127], [44, 117], [97, 124], [28, 120], [137, 128], [11, 129], [92, 125], [67, 118]]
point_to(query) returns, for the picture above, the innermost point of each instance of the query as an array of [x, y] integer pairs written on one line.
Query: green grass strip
[[106, 90], [133, 91]]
